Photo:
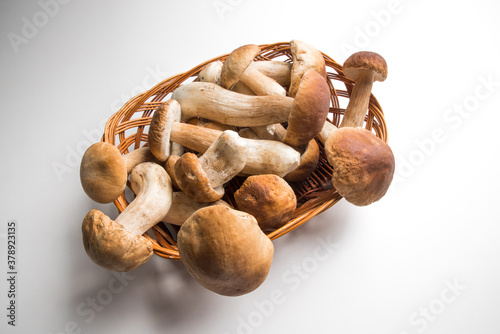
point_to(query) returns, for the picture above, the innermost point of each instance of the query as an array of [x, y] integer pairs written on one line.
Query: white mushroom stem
[[224, 159], [277, 70], [261, 84], [153, 188], [328, 128], [264, 156], [136, 157], [359, 100], [183, 207], [208, 100]]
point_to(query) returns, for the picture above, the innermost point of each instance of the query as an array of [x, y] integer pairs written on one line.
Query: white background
[[390, 265]]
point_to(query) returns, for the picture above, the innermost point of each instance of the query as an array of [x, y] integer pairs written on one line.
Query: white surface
[[390, 262]]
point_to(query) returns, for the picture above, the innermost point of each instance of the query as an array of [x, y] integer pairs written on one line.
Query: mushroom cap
[[236, 63], [161, 125], [103, 173], [363, 165], [110, 246], [225, 250], [365, 60], [211, 72], [304, 58], [308, 162], [193, 180], [309, 110], [269, 198]]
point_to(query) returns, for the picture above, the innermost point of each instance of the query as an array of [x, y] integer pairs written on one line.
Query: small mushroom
[[264, 156], [202, 178], [269, 198], [305, 114], [236, 68], [363, 164], [364, 67], [177, 150], [119, 245], [225, 250], [304, 58], [104, 170]]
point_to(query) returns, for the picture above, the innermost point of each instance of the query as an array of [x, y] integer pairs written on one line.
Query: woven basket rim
[[148, 101]]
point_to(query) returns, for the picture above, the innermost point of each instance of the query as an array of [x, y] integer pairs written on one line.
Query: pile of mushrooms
[[260, 120]]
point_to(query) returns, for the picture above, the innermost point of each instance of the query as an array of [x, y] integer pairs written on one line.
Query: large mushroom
[[264, 156], [225, 250], [119, 245], [305, 114], [104, 170]]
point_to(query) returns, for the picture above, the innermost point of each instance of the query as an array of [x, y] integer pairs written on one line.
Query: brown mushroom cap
[[308, 162], [225, 250], [269, 198], [236, 63], [103, 173], [365, 60], [193, 180], [161, 125], [305, 57], [112, 247], [363, 165], [309, 110]]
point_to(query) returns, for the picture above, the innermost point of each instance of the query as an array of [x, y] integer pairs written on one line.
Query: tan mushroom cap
[[308, 161], [363, 165], [193, 180], [225, 250], [110, 246], [305, 57], [160, 127], [309, 110], [365, 60], [103, 173], [269, 198], [236, 63]]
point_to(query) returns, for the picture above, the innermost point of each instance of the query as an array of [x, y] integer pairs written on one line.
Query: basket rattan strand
[[127, 129]]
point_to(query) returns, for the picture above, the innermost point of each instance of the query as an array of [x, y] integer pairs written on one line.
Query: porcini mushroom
[[236, 68], [364, 68], [305, 114], [304, 58], [264, 156], [268, 198], [119, 245], [225, 250], [201, 179], [104, 170], [363, 164]]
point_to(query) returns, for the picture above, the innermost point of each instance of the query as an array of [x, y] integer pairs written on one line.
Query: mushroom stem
[[136, 157], [153, 188], [261, 84], [224, 159], [359, 100], [277, 70], [325, 132], [208, 100], [183, 207]]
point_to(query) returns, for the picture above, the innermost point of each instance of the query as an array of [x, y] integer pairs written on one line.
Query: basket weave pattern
[[127, 130]]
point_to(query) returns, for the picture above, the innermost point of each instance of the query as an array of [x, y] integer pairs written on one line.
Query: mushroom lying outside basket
[[127, 129]]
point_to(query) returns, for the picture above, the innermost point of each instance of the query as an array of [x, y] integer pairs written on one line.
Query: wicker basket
[[127, 129]]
